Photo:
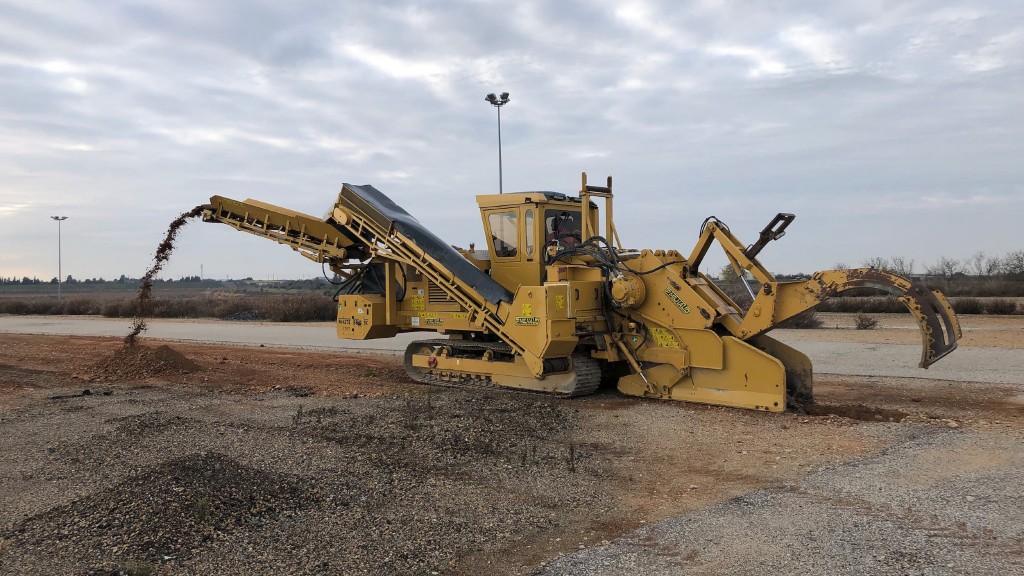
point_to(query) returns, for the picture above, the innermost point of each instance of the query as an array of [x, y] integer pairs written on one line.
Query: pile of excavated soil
[[138, 361], [167, 512]]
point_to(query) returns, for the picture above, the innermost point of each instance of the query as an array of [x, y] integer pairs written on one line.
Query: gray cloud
[[888, 128]]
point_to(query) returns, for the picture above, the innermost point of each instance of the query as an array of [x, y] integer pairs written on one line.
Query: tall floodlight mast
[[498, 102]]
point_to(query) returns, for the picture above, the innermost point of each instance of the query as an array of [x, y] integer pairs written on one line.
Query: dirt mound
[[138, 361], [167, 512]]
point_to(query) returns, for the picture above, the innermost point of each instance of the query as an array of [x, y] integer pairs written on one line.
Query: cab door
[[512, 237]]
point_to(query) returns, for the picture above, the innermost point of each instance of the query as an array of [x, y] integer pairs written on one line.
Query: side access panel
[[363, 317]]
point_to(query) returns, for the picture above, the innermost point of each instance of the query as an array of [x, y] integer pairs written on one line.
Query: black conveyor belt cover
[[431, 244]]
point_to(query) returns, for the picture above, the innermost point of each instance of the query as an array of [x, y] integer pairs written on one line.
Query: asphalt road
[[966, 364], [312, 335]]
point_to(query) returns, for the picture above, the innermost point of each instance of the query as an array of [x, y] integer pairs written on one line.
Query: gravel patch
[[298, 485], [934, 505], [162, 514]]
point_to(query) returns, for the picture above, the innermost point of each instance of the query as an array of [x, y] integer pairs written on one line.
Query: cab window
[[504, 234], [562, 225], [529, 232]]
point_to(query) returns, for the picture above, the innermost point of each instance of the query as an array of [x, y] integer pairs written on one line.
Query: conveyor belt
[[373, 204]]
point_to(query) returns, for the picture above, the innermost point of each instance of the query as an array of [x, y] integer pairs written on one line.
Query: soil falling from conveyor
[[163, 252]]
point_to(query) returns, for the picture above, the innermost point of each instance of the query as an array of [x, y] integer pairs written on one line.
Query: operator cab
[[521, 226]]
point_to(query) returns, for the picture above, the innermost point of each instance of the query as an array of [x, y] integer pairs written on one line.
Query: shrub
[[864, 322], [296, 308], [885, 305], [735, 290], [967, 305], [307, 307], [804, 320], [14, 307], [79, 307], [1000, 306], [227, 307], [30, 306], [863, 304], [119, 309]]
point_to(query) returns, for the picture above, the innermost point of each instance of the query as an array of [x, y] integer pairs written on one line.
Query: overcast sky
[[888, 128]]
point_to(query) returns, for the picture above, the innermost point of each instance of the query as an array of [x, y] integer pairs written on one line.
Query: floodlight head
[[59, 218], [504, 97], [491, 98]]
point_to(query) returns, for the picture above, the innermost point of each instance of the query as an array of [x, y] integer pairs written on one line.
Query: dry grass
[[1002, 306], [889, 304], [804, 320], [307, 306], [302, 307]]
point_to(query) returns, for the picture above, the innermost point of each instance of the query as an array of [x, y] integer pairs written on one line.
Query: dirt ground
[[227, 459]]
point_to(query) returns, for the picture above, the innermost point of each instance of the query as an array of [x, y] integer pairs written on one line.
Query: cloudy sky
[[889, 128]]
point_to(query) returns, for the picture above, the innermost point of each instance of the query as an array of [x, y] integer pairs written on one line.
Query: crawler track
[[587, 370]]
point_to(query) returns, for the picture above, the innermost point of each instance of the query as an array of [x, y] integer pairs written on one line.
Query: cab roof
[[516, 198]]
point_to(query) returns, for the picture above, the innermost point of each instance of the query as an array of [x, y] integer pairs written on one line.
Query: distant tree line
[[980, 284], [26, 281], [307, 284], [979, 265], [21, 281]]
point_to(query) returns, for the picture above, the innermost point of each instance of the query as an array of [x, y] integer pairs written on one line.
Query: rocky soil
[[222, 459]]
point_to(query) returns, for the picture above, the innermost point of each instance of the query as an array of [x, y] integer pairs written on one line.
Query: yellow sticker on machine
[[460, 315], [527, 309], [664, 337], [527, 321], [559, 301], [677, 301], [419, 302]]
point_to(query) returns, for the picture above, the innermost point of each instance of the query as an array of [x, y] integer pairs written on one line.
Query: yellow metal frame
[[681, 335]]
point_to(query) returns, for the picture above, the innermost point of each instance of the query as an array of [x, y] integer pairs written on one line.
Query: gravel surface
[[943, 502], [370, 486], [248, 460], [163, 513]]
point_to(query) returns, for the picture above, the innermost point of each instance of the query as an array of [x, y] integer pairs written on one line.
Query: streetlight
[[59, 219], [498, 102]]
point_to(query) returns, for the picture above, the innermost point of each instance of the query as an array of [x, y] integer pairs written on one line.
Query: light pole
[[498, 102], [59, 219]]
